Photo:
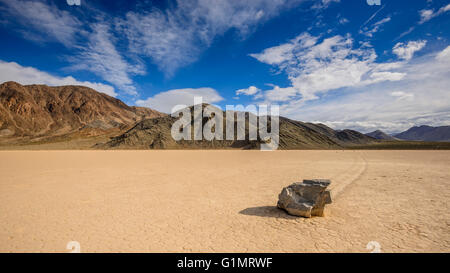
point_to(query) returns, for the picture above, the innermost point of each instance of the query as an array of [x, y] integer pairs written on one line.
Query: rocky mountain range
[[30, 112], [156, 134], [39, 111]]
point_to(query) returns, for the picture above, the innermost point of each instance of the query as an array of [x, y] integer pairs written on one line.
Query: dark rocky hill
[[156, 134]]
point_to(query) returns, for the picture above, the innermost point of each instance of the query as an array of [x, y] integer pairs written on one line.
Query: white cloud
[[316, 67], [10, 71], [39, 19], [343, 21], [420, 97], [172, 38], [323, 4], [101, 57], [285, 52], [165, 101], [406, 51], [278, 94], [275, 55], [363, 94], [376, 27], [444, 55], [425, 16], [428, 14], [251, 91], [386, 76], [176, 37], [400, 95], [383, 21], [45, 22]]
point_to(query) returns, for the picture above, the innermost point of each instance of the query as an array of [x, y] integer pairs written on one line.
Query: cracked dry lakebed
[[221, 201]]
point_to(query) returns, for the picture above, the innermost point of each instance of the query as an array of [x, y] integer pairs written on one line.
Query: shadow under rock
[[267, 211]]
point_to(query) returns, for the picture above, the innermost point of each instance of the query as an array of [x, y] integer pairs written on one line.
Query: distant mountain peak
[[380, 135], [426, 133]]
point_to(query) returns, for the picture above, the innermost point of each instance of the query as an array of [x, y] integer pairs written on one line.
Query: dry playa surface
[[221, 201]]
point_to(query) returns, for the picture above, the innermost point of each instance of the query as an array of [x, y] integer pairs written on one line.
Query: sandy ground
[[221, 201]]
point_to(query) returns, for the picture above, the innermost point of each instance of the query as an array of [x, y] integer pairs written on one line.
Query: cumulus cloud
[[165, 101], [317, 66], [364, 94], [419, 96], [251, 91], [406, 51], [279, 94], [10, 71]]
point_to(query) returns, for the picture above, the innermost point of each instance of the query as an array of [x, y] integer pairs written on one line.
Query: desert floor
[[221, 201]]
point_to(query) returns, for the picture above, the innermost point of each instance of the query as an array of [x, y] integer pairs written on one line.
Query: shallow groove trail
[[356, 170]]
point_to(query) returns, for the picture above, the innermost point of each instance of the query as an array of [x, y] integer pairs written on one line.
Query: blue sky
[[344, 63]]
